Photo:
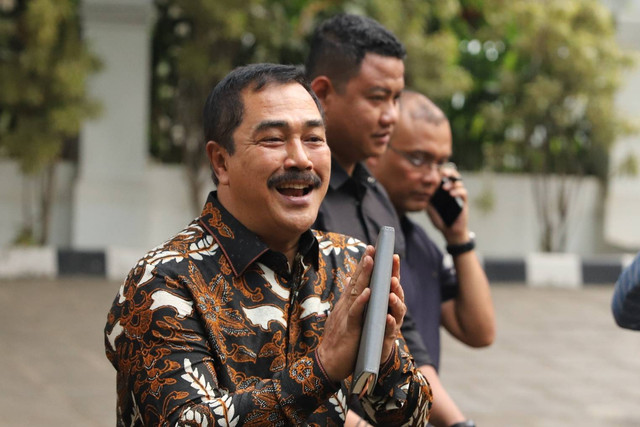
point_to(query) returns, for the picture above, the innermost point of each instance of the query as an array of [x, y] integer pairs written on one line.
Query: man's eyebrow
[[268, 124], [282, 124], [316, 123]]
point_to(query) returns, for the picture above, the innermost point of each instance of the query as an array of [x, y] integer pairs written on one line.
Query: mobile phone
[[447, 206]]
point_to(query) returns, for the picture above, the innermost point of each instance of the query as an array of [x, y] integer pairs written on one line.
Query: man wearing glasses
[[411, 170]]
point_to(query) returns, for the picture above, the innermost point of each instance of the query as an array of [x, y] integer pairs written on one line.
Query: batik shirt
[[213, 328]]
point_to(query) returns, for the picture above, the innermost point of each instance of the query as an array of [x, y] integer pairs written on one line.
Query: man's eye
[[417, 161], [271, 140], [315, 140]]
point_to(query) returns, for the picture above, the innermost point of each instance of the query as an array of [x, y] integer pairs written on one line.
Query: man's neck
[[288, 245], [348, 166], [289, 251], [344, 161]]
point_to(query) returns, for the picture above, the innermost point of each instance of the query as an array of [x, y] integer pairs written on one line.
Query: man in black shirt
[[356, 69], [453, 294]]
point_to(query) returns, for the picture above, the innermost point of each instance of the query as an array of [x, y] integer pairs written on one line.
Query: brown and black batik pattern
[[214, 329]]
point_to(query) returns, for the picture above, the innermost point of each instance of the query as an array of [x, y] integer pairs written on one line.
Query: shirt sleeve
[[402, 395], [166, 367], [414, 341], [448, 278], [626, 297]]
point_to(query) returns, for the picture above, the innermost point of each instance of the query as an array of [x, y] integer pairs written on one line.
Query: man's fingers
[[396, 288], [362, 276], [397, 308], [459, 192], [391, 328], [395, 267], [356, 274], [356, 311]]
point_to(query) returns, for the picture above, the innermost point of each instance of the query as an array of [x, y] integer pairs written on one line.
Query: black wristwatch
[[463, 247], [466, 423]]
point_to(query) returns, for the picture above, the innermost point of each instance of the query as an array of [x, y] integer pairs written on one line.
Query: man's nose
[[297, 156], [390, 113], [431, 174]]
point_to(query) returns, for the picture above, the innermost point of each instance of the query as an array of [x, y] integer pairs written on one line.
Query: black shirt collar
[[357, 183], [242, 247], [338, 175]]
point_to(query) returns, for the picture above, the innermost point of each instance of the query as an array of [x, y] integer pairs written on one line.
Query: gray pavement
[[558, 359]]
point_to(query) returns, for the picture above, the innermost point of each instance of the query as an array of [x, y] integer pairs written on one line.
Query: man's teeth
[[294, 186]]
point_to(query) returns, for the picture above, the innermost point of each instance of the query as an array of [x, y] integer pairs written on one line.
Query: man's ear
[[323, 88], [218, 156]]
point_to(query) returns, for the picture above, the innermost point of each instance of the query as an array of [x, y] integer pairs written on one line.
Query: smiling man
[[247, 317]]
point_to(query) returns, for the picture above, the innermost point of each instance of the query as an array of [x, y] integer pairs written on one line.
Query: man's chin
[[377, 150], [417, 206], [299, 223]]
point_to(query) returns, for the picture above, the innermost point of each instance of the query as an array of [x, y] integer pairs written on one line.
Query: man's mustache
[[307, 177]]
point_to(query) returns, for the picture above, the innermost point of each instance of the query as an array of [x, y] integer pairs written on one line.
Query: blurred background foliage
[[43, 74], [44, 66], [528, 85]]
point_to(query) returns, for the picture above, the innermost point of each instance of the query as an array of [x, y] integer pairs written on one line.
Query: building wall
[[117, 197], [509, 228], [18, 193]]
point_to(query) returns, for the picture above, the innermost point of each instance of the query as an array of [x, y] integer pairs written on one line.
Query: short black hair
[[340, 43], [224, 109]]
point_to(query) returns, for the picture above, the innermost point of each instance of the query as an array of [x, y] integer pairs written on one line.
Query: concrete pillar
[[110, 200], [621, 226]]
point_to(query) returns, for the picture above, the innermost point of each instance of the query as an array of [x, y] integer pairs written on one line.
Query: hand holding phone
[[447, 206]]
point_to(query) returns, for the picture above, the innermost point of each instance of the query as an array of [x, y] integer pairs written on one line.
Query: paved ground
[[558, 359]]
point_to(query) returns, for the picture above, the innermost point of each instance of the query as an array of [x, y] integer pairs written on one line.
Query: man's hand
[[397, 310], [339, 347], [458, 232]]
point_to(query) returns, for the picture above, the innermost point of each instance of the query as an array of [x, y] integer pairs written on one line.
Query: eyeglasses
[[420, 158]]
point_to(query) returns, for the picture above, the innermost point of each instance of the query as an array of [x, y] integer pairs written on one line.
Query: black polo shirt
[[358, 206]]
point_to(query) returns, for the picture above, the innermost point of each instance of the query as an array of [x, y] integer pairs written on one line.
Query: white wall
[[510, 229], [13, 188], [113, 147], [623, 200]]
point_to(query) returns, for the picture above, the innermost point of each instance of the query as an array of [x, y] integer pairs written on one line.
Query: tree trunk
[[193, 161], [47, 196], [554, 198], [25, 235], [188, 113]]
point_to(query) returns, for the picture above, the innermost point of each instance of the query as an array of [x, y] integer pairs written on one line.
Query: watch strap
[[458, 249]]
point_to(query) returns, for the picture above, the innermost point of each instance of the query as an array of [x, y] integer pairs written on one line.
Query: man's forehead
[[280, 105], [275, 92]]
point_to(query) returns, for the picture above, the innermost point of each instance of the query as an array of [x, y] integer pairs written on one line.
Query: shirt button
[[371, 180]]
